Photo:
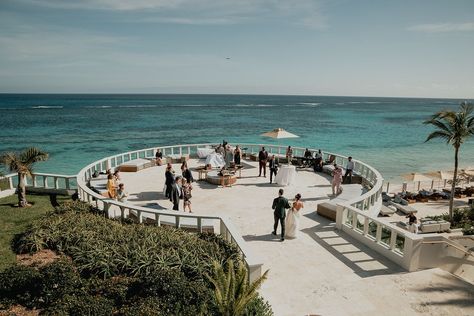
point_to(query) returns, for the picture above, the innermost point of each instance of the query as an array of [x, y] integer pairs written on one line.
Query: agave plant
[[22, 163], [232, 290]]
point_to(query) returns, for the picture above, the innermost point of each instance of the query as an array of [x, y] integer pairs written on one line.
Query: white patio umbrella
[[278, 133]]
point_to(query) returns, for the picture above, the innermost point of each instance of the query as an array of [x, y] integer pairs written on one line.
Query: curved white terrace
[[325, 271]]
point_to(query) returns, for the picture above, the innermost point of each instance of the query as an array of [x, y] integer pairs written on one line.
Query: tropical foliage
[[22, 163], [455, 127], [123, 269], [232, 291]]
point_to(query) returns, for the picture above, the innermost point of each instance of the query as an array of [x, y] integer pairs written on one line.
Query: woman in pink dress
[[336, 180]]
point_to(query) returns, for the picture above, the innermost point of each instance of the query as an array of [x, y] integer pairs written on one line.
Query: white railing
[[371, 178], [40, 180], [395, 243]]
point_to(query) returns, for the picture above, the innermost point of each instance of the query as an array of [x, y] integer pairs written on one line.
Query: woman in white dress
[[292, 221]]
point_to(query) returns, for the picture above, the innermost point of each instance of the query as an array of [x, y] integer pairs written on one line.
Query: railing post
[[199, 224], [177, 221], [393, 239], [340, 216], [378, 234], [140, 218], [45, 181], [106, 209], [366, 226], [122, 213], [56, 182], [68, 184], [157, 219], [10, 183], [107, 164], [33, 180]]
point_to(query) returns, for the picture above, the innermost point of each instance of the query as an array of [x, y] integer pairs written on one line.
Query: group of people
[[116, 188], [289, 221], [228, 154], [179, 187]]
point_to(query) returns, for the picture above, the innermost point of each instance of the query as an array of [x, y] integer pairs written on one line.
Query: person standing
[[280, 204], [336, 180], [187, 174], [187, 187], [289, 154], [237, 155], [273, 167], [176, 193], [262, 162], [169, 180], [349, 169], [292, 221]]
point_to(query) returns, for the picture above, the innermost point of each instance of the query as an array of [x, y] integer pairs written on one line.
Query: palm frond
[[32, 155], [439, 134]]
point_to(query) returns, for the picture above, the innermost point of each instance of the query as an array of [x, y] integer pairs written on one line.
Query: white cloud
[[443, 27], [120, 5], [307, 13]]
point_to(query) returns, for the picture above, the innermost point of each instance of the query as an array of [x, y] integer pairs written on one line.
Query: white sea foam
[[99, 107], [310, 103], [47, 107]]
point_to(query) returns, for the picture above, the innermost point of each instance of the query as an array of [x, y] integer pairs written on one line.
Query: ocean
[[76, 129]]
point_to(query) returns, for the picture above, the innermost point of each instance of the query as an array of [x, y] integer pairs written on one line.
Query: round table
[[286, 175]]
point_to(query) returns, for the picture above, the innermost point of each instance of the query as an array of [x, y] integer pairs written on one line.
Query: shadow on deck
[[359, 258]]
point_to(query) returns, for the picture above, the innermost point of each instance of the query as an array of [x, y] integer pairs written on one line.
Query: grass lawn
[[14, 220]]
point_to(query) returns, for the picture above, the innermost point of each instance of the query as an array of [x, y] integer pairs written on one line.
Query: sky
[[413, 48]]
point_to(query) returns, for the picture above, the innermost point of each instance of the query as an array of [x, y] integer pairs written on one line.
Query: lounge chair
[[387, 211], [403, 208]]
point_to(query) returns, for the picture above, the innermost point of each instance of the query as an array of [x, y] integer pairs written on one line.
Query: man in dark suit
[[176, 193], [280, 204], [169, 180], [273, 167], [262, 162]]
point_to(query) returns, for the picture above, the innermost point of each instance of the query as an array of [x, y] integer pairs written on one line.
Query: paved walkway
[[323, 272]]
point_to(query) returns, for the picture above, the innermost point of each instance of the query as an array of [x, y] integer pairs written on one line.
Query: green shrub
[[80, 305], [178, 295], [144, 307], [115, 289], [73, 206], [258, 307], [19, 285], [59, 279], [468, 229], [105, 248]]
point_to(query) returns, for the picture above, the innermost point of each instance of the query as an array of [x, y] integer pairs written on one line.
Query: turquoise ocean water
[[77, 129]]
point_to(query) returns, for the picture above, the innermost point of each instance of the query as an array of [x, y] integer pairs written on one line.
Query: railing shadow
[[364, 261]]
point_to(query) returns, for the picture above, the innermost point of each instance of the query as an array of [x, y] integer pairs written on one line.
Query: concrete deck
[[323, 271]]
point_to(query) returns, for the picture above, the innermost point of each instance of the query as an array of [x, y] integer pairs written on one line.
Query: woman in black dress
[[237, 155]]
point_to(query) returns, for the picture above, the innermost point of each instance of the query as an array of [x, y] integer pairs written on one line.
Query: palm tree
[[22, 163], [454, 128], [232, 289]]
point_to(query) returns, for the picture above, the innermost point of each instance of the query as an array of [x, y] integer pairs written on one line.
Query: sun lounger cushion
[[403, 208], [388, 210]]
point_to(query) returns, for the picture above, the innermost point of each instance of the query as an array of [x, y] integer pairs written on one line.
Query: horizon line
[[231, 94]]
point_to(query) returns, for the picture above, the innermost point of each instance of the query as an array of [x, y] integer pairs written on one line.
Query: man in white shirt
[[349, 169]]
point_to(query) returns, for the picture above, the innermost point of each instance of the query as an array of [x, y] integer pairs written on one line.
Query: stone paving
[[323, 271]]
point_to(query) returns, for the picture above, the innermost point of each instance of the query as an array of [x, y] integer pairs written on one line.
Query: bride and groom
[[289, 222]]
